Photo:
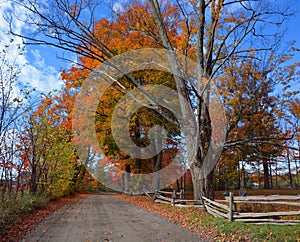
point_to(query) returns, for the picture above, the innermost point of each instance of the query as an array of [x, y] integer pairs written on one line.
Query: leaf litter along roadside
[[185, 217], [215, 229], [193, 219], [22, 226]]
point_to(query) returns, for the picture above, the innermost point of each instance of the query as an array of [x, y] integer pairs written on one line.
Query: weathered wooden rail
[[216, 209], [176, 199], [230, 212], [227, 209]]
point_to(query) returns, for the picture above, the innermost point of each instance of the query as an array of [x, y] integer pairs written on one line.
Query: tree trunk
[[271, 175], [266, 174], [198, 182], [33, 178], [276, 174], [209, 186], [137, 133], [200, 130], [156, 166], [240, 185], [289, 169]]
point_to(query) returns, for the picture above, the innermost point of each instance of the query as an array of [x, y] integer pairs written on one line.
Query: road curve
[[99, 217]]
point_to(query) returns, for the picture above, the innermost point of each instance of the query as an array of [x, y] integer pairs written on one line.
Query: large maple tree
[[213, 33]]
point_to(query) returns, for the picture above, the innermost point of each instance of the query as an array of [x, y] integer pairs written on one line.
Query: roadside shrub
[[12, 208]]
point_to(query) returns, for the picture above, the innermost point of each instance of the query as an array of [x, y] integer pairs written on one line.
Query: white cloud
[[34, 69], [44, 79], [117, 7], [38, 61]]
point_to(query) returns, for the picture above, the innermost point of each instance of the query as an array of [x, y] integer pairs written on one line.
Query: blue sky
[[293, 27], [41, 66]]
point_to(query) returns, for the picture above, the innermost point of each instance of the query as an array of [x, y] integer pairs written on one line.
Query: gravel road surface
[[106, 218]]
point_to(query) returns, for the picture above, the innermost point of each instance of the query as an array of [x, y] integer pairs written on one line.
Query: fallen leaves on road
[[23, 226], [185, 217]]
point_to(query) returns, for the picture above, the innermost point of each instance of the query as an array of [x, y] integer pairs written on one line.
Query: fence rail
[[176, 199], [227, 209], [216, 209], [230, 212]]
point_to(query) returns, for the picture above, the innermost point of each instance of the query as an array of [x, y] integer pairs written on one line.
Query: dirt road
[[106, 218]]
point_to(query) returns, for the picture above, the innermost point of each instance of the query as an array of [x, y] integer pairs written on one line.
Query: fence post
[[173, 197], [230, 207], [155, 195], [182, 194]]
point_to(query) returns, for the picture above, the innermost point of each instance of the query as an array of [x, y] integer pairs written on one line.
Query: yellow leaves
[[230, 19], [256, 75], [232, 102], [284, 58], [74, 10], [294, 107]]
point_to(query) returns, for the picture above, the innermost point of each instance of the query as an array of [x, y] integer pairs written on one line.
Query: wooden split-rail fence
[[176, 199], [228, 209]]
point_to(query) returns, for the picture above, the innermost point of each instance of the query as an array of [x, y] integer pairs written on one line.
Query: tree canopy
[[236, 59]]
